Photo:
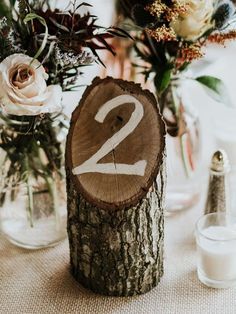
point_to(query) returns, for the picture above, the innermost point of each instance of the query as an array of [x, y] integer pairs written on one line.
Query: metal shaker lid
[[220, 161]]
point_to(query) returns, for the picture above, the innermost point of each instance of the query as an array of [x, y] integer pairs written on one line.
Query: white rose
[[23, 88], [196, 21]]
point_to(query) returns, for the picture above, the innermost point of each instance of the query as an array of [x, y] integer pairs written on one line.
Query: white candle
[[217, 253]]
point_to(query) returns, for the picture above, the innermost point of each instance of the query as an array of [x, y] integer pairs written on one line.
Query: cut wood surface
[[115, 144]]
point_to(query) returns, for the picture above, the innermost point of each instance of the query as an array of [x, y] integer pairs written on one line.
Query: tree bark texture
[[117, 253]]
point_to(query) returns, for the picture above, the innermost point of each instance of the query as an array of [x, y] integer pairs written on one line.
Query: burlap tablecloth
[[40, 281]]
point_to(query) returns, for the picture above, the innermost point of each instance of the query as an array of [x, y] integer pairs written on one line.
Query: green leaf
[[64, 28], [211, 82], [162, 80], [29, 18], [215, 88]]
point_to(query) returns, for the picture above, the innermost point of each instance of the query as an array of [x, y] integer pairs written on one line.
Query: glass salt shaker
[[218, 199]]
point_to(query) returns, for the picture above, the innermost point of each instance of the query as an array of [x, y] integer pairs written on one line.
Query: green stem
[[53, 192], [30, 203], [175, 106], [30, 208], [52, 189], [184, 158], [181, 138]]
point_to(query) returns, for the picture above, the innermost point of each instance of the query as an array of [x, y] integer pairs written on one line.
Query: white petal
[[33, 89], [51, 103]]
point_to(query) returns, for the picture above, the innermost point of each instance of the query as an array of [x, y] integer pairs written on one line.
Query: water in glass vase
[[35, 217], [183, 152]]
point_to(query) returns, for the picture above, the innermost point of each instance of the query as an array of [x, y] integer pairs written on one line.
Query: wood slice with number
[[115, 166], [115, 143]]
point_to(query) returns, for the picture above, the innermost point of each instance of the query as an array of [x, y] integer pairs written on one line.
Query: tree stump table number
[[115, 164]]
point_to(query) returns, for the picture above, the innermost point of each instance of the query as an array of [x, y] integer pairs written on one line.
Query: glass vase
[[32, 184], [183, 150]]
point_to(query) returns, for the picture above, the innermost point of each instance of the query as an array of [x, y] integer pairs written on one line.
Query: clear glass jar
[[35, 217], [32, 183], [216, 244], [183, 150]]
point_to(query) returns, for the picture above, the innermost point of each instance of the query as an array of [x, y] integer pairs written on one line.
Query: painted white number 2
[[92, 165]]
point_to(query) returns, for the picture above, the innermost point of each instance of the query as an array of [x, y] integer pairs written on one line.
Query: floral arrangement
[[42, 52], [171, 34]]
